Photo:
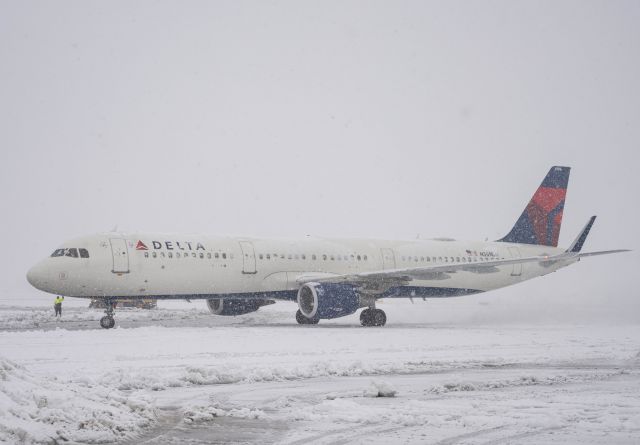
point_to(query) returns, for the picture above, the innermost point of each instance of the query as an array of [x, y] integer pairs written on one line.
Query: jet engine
[[221, 306], [328, 300]]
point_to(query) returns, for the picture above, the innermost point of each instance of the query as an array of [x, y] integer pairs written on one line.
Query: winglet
[[576, 246]]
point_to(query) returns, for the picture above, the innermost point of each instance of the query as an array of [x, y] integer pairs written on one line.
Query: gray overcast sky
[[345, 118]]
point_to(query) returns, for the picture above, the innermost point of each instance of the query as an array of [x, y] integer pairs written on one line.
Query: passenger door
[[388, 259], [120, 255], [516, 271], [248, 257]]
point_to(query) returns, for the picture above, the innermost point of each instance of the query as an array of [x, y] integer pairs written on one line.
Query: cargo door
[[516, 271], [248, 257], [120, 255]]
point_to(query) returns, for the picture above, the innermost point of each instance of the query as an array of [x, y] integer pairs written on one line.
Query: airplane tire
[[365, 317], [301, 319], [107, 322], [379, 318], [373, 317]]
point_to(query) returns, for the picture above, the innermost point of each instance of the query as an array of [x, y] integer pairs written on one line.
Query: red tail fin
[[541, 220]]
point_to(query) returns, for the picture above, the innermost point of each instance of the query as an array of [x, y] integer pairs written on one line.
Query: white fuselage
[[143, 265]]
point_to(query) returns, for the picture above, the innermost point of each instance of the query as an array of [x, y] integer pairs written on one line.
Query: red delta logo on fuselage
[[171, 245]]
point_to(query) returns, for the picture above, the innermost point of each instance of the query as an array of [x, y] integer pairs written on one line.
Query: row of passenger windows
[[72, 252], [313, 257], [274, 256], [201, 255], [447, 259]]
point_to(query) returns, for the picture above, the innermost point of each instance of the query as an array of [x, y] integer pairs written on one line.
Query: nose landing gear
[[107, 322]]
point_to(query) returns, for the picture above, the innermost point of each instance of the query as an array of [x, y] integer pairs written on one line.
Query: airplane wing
[[389, 277], [380, 279]]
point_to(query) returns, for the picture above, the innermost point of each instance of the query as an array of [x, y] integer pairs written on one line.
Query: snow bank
[[35, 411], [380, 389], [206, 413], [159, 379]]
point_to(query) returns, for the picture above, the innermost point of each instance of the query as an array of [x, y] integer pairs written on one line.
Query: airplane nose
[[36, 276]]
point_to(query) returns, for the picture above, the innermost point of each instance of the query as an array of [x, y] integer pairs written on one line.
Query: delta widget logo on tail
[[141, 246]]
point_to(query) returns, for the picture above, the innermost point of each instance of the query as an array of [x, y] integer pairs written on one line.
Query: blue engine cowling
[[328, 300], [221, 306]]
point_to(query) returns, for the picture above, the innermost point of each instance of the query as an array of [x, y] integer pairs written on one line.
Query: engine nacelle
[[328, 300], [221, 306]]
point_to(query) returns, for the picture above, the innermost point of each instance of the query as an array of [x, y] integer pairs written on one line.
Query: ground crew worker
[[57, 305]]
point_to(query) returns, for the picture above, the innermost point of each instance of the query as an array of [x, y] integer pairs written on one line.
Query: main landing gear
[[373, 317], [107, 322], [301, 319]]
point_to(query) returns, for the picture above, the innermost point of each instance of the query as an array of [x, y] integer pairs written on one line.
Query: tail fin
[[541, 219]]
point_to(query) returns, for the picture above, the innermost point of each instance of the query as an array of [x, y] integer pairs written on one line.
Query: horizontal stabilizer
[[603, 252]]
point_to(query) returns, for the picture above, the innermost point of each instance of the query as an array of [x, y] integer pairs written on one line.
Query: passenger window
[[193, 254], [313, 257], [358, 257], [365, 258], [73, 252], [153, 254], [208, 255], [201, 255], [146, 254], [217, 255], [224, 256], [260, 256], [162, 254], [457, 259], [177, 254], [268, 256], [303, 256], [84, 253], [324, 257], [333, 258], [353, 257], [416, 259], [170, 255], [428, 259]]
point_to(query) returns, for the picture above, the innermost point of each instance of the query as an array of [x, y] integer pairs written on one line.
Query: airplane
[[329, 278]]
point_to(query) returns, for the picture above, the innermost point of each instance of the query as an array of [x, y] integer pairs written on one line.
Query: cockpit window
[[73, 252], [84, 253], [58, 252]]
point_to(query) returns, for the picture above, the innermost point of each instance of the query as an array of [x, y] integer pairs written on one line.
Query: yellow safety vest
[[58, 300]]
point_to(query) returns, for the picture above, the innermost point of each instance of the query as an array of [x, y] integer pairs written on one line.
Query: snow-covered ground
[[180, 375]]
